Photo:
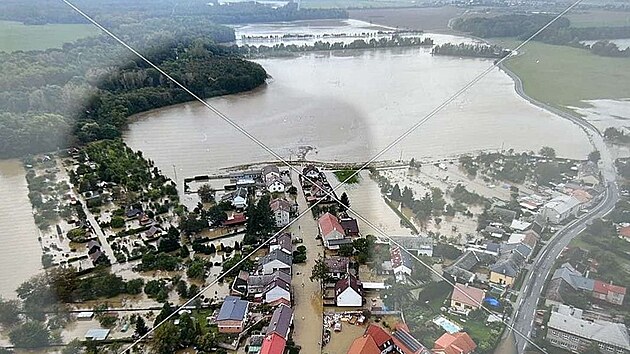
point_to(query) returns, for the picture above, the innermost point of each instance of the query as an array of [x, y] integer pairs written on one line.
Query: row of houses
[[566, 279]]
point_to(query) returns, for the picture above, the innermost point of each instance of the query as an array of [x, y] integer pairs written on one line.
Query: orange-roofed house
[[382, 339], [273, 344], [624, 233], [609, 292], [457, 343], [466, 298], [364, 345], [331, 230]]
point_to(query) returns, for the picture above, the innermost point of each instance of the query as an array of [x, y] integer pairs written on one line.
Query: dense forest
[[560, 32], [282, 49], [91, 86], [470, 50], [111, 12]]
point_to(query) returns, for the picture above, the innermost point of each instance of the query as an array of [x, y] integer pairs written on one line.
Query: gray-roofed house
[[238, 198], [337, 266], [283, 242], [420, 245], [462, 268], [276, 260], [277, 291], [568, 330], [560, 208], [281, 321], [270, 172], [232, 315], [507, 267], [281, 211], [256, 284]]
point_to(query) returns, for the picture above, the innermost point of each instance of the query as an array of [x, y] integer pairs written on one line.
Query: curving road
[[525, 310]]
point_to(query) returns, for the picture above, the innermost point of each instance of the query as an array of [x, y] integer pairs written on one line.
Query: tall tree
[[166, 339], [320, 271], [396, 193], [548, 152], [345, 202]]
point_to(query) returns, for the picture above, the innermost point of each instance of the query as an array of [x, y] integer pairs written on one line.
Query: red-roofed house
[[330, 229], [382, 339], [349, 292], [273, 344], [466, 298], [235, 220], [364, 345], [457, 343], [609, 292], [624, 233]]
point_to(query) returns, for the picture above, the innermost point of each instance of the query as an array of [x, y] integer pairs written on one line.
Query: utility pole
[[175, 172]]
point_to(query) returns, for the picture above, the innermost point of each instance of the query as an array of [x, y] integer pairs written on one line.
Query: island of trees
[[470, 50], [281, 49]]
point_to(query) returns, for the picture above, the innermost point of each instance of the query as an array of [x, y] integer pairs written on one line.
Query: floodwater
[[20, 254], [348, 106], [609, 113]]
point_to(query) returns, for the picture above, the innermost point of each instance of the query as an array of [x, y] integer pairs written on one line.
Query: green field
[[564, 76], [599, 18], [17, 36]]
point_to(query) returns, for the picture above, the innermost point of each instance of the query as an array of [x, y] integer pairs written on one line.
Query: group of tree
[[616, 136], [431, 204], [256, 51], [260, 221], [470, 50]]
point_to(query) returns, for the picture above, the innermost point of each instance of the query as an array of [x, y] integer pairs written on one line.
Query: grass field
[[345, 4], [342, 175], [563, 76], [17, 36], [425, 18], [599, 18]]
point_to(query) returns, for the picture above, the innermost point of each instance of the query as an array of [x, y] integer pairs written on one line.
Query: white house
[[276, 260], [281, 211], [238, 198], [275, 185], [330, 229], [560, 208], [349, 292], [270, 172], [311, 172], [277, 291]]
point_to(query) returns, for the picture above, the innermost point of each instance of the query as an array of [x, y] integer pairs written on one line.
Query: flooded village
[[500, 227]]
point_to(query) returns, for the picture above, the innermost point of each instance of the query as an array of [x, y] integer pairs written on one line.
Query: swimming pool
[[448, 325]]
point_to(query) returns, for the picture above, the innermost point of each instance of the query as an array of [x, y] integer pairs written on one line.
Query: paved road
[[308, 320], [107, 249]]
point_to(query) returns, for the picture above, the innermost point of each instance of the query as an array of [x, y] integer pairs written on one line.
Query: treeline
[[91, 86], [282, 49], [609, 49], [560, 32], [470, 50], [123, 11]]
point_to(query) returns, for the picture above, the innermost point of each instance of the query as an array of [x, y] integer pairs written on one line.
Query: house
[[349, 292], [337, 266], [613, 294], [232, 315], [382, 339], [235, 220], [270, 172], [152, 232], [275, 185], [273, 344], [96, 334], [281, 209], [133, 213], [330, 229], [456, 343], [588, 173], [276, 260], [568, 330], [462, 268], [364, 345], [505, 271], [281, 321], [238, 198], [255, 344], [405, 343], [278, 291], [239, 285], [560, 208], [256, 284], [624, 233], [282, 242], [401, 264], [466, 298], [350, 227], [311, 172], [419, 245]]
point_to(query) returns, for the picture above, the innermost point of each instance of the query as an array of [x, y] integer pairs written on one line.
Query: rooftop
[[468, 295], [328, 223], [233, 308], [280, 322]]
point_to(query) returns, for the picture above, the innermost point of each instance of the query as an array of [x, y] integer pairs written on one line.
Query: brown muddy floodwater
[[348, 106], [20, 254]]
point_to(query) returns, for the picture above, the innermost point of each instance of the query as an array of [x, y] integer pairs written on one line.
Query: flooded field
[[609, 113], [20, 254], [347, 106]]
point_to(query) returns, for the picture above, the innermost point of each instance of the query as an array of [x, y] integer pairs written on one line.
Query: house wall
[[277, 293], [577, 344], [349, 298], [462, 308], [276, 187], [282, 218], [334, 235], [498, 278], [274, 265], [230, 326]]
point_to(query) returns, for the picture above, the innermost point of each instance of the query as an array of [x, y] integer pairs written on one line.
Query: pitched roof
[[273, 344], [364, 345], [277, 282], [280, 204], [328, 223], [378, 334], [604, 288], [349, 282], [277, 255], [284, 241], [413, 243], [400, 258], [562, 204], [568, 274], [468, 295], [280, 322], [350, 225], [568, 319], [269, 182], [406, 342], [624, 231], [233, 308], [269, 169], [337, 264], [457, 343]]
